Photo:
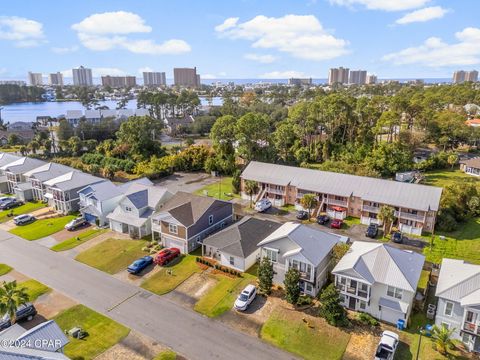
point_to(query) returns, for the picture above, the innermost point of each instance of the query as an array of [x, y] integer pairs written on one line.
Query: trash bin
[[400, 324], [428, 330]]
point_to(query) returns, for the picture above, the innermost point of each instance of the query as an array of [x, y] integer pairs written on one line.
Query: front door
[[352, 303]]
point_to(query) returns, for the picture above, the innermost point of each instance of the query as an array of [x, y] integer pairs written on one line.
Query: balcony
[[351, 290], [275, 191], [471, 327], [372, 209], [362, 294], [305, 275], [408, 216], [336, 202]]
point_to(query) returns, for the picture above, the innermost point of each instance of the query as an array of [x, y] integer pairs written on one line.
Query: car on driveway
[[262, 205], [76, 223], [10, 203], [302, 215], [245, 298], [336, 224], [372, 231], [323, 219], [166, 255], [387, 346], [140, 264], [397, 237], [23, 219], [25, 312]]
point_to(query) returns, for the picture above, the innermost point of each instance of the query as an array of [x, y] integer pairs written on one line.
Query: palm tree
[[387, 216], [442, 337], [11, 297], [251, 188], [309, 202]]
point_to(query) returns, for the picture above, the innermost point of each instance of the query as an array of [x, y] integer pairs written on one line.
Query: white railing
[[408, 216], [342, 203], [372, 209]]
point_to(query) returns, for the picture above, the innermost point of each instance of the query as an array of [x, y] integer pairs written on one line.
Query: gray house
[[379, 279], [458, 292], [17, 168], [5, 158], [301, 247], [236, 246]]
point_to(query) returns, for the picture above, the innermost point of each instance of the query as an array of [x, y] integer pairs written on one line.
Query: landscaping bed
[[41, 228], [78, 240]]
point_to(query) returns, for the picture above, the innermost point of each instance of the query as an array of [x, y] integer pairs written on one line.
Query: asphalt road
[[185, 331]]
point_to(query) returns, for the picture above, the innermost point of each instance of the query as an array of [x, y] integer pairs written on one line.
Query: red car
[[336, 224], [165, 256]]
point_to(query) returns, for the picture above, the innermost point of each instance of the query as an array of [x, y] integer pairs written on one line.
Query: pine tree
[[292, 286], [265, 276], [330, 308]]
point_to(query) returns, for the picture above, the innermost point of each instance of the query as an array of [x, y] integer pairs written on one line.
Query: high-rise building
[[300, 82], [471, 76], [55, 79], [358, 77], [371, 79], [186, 77], [35, 79], [119, 81], [338, 75], [82, 76], [458, 77], [154, 79]]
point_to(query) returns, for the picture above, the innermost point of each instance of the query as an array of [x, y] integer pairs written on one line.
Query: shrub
[[367, 319], [304, 300]]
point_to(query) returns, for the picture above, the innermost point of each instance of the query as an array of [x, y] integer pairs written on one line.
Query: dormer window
[[128, 209], [210, 219]]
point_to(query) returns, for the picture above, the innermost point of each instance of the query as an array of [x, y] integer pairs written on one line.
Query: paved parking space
[[188, 182], [137, 279], [66, 234]]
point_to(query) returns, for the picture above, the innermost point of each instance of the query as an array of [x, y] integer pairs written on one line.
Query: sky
[[240, 39]]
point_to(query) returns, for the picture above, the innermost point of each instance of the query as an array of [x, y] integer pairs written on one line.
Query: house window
[[232, 260], [448, 308], [172, 229], [309, 287], [394, 292], [128, 209], [342, 298], [271, 255], [465, 338], [210, 219], [362, 304]]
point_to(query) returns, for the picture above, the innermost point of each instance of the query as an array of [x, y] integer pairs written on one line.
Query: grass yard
[[349, 221], [423, 281], [164, 281], [221, 189], [166, 355], [42, 228], [5, 269], [113, 255], [78, 240], [103, 332], [23, 209], [288, 331], [34, 288], [444, 178]]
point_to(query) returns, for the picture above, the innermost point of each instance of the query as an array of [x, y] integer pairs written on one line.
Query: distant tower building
[[471, 76], [119, 81], [82, 76], [332, 76], [371, 79], [55, 79], [154, 79], [186, 77], [338, 75], [358, 77], [458, 77], [300, 82], [35, 79]]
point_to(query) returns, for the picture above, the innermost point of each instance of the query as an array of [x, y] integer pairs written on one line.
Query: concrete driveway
[[188, 182]]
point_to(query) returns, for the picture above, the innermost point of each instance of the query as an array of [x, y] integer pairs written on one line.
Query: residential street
[[186, 332]]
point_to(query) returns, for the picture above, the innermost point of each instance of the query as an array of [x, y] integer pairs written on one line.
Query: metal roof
[[22, 165], [413, 196], [6, 158], [48, 171], [459, 281], [73, 180]]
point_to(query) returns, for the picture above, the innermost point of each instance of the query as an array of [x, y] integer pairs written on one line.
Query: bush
[[304, 300], [367, 319]]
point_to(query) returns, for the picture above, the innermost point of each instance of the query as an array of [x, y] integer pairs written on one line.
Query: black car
[[372, 231], [323, 219], [302, 215], [10, 204], [24, 312], [397, 237]]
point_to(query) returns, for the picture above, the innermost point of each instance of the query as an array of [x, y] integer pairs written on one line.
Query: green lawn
[[77, 240], [113, 255], [103, 332], [42, 228], [288, 331], [219, 189], [24, 209], [444, 178], [34, 288], [221, 297], [4, 269], [166, 355], [172, 275], [423, 281], [349, 221]]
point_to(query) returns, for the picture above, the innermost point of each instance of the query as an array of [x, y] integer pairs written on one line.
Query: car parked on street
[[140, 264], [302, 215], [372, 231], [25, 312], [245, 298], [10, 203], [23, 219], [262, 205], [166, 255], [387, 346], [398, 237], [76, 223], [323, 219], [336, 224]]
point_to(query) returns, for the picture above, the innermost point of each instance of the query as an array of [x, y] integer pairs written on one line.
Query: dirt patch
[[362, 346], [196, 285], [53, 303]]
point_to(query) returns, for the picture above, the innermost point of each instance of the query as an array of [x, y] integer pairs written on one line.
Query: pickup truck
[[387, 346]]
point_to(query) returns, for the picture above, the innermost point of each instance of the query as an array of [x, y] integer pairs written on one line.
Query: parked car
[[336, 224], [10, 203], [140, 264], [76, 223], [302, 215], [323, 219], [387, 346], [166, 255], [24, 312], [262, 205], [245, 298], [23, 219], [5, 198], [397, 237], [372, 231]]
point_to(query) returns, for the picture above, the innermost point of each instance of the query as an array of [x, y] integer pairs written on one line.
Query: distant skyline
[[243, 39]]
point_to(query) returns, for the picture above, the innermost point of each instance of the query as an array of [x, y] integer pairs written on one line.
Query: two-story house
[[304, 248], [458, 307], [5, 158], [379, 279], [15, 170], [62, 191], [100, 199], [186, 219], [134, 211]]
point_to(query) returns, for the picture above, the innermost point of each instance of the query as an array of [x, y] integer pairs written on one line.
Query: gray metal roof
[[73, 180], [459, 281], [145, 195], [413, 196], [6, 158], [48, 171], [101, 191], [22, 165], [46, 330]]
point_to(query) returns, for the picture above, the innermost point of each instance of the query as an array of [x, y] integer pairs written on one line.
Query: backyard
[[23, 209], [444, 178], [221, 189], [78, 240], [41, 228]]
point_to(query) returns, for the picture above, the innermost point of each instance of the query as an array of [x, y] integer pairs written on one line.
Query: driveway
[[188, 182], [186, 332]]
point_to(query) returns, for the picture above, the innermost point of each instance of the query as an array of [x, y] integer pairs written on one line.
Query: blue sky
[[242, 38]]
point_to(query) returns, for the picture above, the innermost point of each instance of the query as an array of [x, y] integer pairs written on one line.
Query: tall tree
[[386, 215], [251, 188], [11, 297], [330, 308], [309, 202], [292, 285], [265, 276]]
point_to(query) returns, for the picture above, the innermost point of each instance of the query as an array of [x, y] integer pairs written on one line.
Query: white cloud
[[301, 36], [107, 31], [213, 76], [283, 75], [386, 5], [145, 69], [23, 32], [65, 50], [264, 59], [435, 52], [422, 15]]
